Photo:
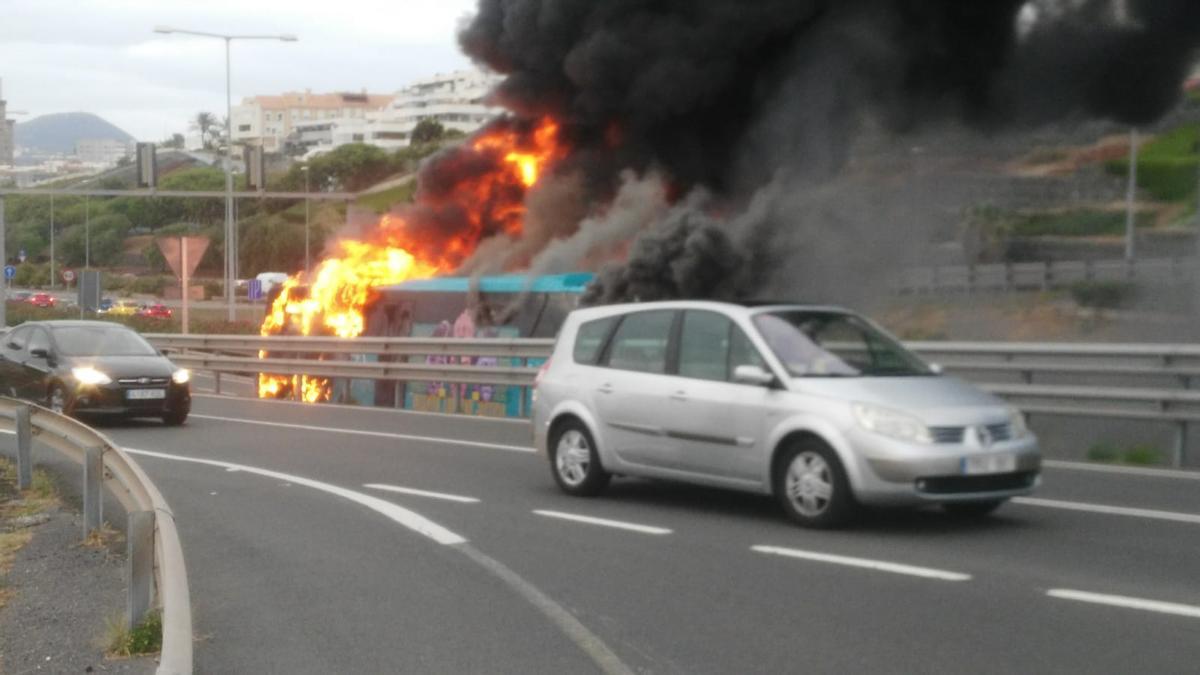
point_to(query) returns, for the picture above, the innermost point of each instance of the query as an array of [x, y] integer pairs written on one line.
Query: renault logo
[[984, 436], [143, 380]]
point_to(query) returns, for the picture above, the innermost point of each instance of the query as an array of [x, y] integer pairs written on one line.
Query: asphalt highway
[[332, 539]]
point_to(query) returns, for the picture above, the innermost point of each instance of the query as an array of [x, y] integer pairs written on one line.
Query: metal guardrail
[[1084, 380], [1043, 275], [151, 521]]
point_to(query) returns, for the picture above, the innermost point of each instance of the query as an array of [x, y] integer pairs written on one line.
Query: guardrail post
[[24, 446], [1181, 435], [217, 380], [139, 565], [93, 480]]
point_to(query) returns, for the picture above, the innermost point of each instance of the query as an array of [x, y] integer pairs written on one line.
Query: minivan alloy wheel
[[572, 457], [809, 483]]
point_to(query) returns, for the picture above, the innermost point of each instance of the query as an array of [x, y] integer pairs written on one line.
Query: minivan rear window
[[590, 338]]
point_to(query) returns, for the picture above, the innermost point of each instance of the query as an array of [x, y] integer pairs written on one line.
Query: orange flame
[[333, 300]]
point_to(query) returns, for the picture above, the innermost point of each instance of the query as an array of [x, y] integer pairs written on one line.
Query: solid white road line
[[1110, 510], [604, 522], [864, 563], [1177, 609], [375, 434], [1127, 470], [410, 519], [421, 493]]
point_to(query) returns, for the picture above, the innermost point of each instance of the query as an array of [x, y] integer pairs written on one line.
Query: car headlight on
[[1016, 421], [891, 423], [90, 376], [181, 376]]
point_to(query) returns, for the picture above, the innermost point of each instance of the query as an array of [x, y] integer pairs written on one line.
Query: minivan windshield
[[101, 341], [834, 344]]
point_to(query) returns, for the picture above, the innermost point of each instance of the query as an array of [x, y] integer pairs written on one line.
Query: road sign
[[9, 271], [254, 289], [68, 276]]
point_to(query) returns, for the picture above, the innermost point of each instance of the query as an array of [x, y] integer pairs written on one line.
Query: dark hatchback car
[[92, 367]]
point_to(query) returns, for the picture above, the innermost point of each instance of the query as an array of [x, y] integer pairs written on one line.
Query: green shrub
[[1167, 166], [1143, 455], [1101, 294], [1075, 223], [153, 284], [1104, 452]]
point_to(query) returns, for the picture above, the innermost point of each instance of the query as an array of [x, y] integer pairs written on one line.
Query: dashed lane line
[[373, 434], [864, 563], [1153, 514], [421, 493], [601, 654], [604, 522], [1127, 602]]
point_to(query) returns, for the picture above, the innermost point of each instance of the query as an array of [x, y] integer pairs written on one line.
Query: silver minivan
[[815, 405]]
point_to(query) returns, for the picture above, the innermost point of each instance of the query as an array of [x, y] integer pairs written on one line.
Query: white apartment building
[[103, 151], [455, 100], [269, 120]]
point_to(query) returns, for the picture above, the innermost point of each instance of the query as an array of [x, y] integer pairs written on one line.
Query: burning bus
[[507, 306]]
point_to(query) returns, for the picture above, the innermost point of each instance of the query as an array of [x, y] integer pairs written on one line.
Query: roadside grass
[[1075, 223], [381, 202], [1142, 454], [145, 638], [1166, 165], [42, 496]]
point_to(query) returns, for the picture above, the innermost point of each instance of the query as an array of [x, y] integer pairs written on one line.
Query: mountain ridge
[[59, 132]]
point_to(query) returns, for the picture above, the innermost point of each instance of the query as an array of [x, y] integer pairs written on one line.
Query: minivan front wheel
[[57, 400], [811, 485], [575, 462]]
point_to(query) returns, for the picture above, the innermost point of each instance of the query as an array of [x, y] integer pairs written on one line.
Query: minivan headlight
[[181, 376], [1016, 422], [891, 423], [90, 376]]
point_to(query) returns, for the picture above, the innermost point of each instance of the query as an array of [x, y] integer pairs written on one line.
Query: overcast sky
[[102, 56]]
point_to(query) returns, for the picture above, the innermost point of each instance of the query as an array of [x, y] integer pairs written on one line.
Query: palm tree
[[206, 123]]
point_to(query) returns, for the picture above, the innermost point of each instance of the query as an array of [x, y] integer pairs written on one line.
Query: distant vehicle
[[43, 300], [816, 406], [155, 311], [105, 305], [92, 367], [124, 308], [269, 280], [20, 296]]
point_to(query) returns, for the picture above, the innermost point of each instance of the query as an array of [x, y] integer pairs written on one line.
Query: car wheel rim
[[809, 484], [57, 401], [572, 457]]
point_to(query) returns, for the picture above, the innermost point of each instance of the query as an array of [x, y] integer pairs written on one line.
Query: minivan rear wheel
[[811, 485], [575, 462]]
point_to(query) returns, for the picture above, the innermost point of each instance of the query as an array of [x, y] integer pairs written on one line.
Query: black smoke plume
[[759, 103]]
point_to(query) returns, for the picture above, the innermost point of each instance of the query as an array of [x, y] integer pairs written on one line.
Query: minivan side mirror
[[755, 375], [936, 368]]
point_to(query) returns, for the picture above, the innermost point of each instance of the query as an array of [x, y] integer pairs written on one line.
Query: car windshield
[[100, 341], [834, 344]]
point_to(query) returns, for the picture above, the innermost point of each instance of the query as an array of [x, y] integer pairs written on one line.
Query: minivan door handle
[[605, 388]]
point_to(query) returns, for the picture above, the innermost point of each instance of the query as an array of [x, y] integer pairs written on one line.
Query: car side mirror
[[936, 368], [753, 375], [40, 353]]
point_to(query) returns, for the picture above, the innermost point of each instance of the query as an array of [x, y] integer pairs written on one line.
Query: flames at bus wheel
[[491, 174]]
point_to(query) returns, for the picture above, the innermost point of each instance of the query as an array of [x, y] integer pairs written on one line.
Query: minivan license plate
[[983, 464], [145, 394]]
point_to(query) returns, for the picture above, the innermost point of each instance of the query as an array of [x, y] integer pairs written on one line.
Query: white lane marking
[[1110, 510], [1128, 470], [864, 563], [410, 519], [463, 419], [604, 522], [375, 434], [1127, 602], [421, 493]]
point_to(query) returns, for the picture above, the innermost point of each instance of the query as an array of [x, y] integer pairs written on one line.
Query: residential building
[[103, 151], [269, 120], [456, 100]]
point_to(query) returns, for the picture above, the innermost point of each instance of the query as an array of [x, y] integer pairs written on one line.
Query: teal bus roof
[[506, 283]]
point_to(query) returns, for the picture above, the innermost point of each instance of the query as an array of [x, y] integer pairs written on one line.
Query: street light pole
[[51, 242], [230, 227], [307, 228], [87, 232]]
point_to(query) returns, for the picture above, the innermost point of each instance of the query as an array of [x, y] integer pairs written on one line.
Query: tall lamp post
[[230, 234], [307, 228]]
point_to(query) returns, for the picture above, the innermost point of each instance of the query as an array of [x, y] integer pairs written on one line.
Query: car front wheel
[[575, 462], [811, 485], [58, 400]]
